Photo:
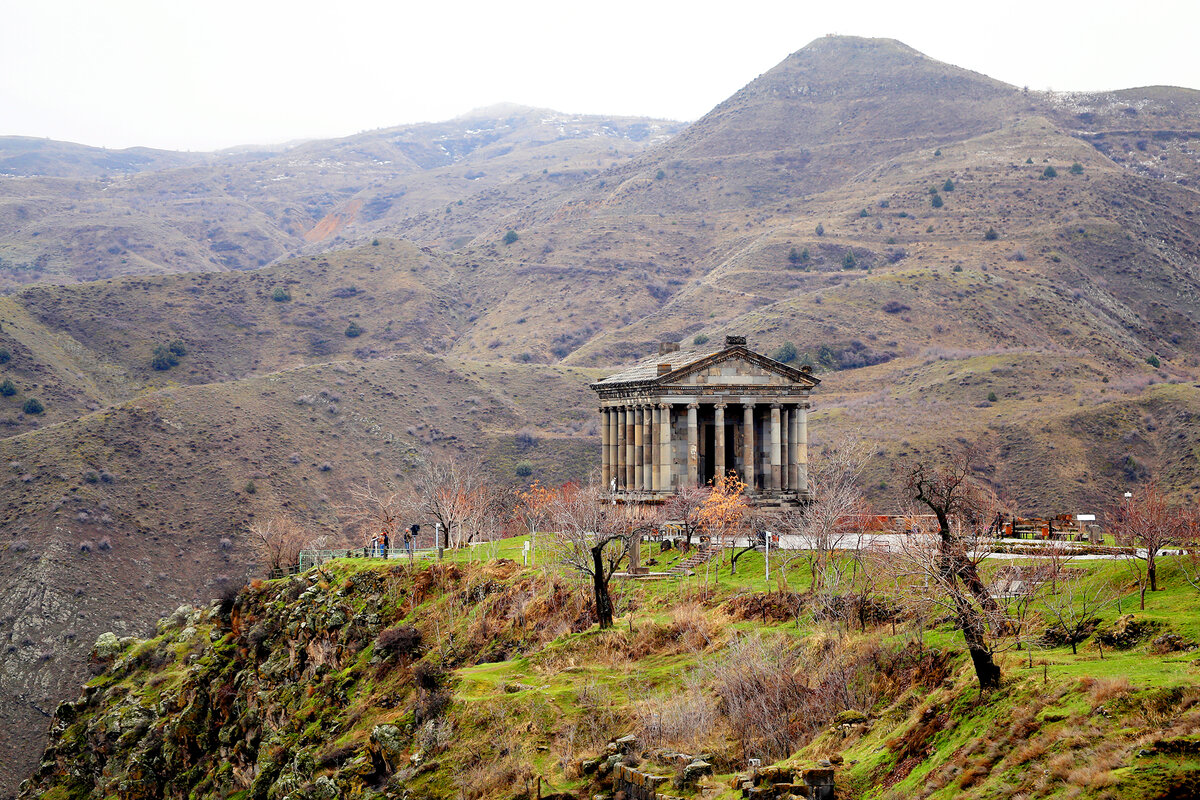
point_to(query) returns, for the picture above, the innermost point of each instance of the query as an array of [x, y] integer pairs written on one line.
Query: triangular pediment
[[737, 367]]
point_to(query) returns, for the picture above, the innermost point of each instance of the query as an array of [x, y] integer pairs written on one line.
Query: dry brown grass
[[1104, 689], [1092, 776], [1061, 765]]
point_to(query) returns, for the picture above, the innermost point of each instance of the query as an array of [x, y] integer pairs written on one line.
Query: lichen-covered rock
[[107, 646]]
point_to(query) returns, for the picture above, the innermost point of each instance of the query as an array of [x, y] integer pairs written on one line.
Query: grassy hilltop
[[488, 680]]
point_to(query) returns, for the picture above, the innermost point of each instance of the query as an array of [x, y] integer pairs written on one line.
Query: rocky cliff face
[[296, 689]]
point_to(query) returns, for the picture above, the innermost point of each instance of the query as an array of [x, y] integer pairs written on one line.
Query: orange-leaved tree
[[724, 509]]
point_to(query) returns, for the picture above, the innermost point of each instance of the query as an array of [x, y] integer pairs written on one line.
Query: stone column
[[664, 447], [639, 444], [614, 461], [748, 445], [605, 464], [648, 448], [776, 449], [629, 461], [802, 447], [785, 448], [794, 449], [693, 459], [719, 443], [619, 461], [655, 451]]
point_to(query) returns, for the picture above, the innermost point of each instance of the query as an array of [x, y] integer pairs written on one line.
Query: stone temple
[[688, 417]]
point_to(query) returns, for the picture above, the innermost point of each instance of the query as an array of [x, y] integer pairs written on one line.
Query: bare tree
[[278, 543], [453, 493], [832, 523], [1147, 523], [592, 538], [947, 563], [373, 510], [685, 508], [1073, 608]]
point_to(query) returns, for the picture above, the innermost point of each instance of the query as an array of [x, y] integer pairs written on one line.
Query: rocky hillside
[[490, 681], [70, 213]]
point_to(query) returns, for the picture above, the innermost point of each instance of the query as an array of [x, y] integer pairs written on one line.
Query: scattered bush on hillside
[[991, 235], [177, 348], [658, 176], [937, 152], [353, 330], [525, 439], [894, 307], [820, 229], [848, 261], [937, 201], [798, 257], [86, 547], [511, 237], [523, 469], [281, 295], [5, 356], [785, 354], [948, 186], [163, 359], [374, 243], [1029, 160], [1153, 361], [325, 466], [1076, 169], [7, 388], [700, 338], [402, 640], [91, 476], [33, 406], [992, 397], [864, 213], [1050, 172]]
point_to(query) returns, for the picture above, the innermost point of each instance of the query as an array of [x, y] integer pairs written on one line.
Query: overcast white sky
[[202, 75]]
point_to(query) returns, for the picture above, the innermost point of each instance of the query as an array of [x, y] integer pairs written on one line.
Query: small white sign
[[1085, 517], [526, 545]]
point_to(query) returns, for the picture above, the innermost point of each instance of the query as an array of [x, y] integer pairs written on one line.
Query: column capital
[[720, 405], [693, 405], [776, 405], [665, 405]]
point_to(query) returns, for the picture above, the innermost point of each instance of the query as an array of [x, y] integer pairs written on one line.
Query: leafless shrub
[[435, 735], [278, 543], [761, 695], [682, 717]]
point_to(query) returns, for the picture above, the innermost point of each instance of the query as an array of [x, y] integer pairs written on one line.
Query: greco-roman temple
[[688, 417]]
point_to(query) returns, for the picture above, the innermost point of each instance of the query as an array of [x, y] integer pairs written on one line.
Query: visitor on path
[[385, 543], [408, 541], [416, 529]]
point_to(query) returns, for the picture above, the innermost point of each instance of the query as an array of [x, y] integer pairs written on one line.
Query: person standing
[[384, 544]]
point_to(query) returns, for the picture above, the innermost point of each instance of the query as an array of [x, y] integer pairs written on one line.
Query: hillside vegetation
[[467, 680]]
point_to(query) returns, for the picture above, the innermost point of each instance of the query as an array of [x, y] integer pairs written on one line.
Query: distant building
[[688, 417]]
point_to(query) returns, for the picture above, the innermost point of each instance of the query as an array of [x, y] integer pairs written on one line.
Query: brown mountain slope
[[85, 346], [242, 210]]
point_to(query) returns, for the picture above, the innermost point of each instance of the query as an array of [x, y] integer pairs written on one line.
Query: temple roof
[[681, 362]]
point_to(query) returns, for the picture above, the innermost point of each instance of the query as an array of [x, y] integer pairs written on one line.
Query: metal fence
[[311, 558]]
